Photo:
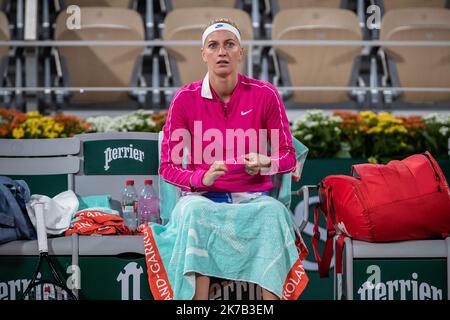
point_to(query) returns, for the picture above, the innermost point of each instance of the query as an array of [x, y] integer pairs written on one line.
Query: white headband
[[220, 26]]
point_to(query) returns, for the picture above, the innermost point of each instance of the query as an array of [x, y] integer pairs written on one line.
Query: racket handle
[[40, 227]]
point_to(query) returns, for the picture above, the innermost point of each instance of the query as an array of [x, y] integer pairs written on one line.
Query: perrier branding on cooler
[[118, 157]]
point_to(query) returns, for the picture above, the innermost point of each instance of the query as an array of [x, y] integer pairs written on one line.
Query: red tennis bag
[[402, 200]]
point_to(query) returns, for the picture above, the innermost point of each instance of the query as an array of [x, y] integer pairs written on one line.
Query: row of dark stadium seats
[[103, 66]]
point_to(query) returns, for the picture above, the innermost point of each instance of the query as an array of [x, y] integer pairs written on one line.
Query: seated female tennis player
[[225, 225]]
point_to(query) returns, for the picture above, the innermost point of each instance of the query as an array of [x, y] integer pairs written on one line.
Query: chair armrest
[[357, 81], [390, 76], [281, 74], [304, 191]]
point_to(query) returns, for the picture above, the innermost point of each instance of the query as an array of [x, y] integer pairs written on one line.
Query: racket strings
[[47, 290], [43, 289]]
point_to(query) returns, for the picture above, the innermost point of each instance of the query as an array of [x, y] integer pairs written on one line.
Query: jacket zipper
[[438, 179], [225, 110]]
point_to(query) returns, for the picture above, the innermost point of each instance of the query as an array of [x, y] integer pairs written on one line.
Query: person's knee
[[191, 210], [273, 207]]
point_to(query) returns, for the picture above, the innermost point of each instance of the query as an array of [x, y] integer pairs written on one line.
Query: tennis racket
[[39, 288]]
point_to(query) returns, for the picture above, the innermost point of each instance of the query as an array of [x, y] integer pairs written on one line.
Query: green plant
[[139, 121], [378, 137], [320, 133], [436, 133]]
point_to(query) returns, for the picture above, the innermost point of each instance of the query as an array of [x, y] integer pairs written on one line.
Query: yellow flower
[[387, 118], [38, 126], [376, 129], [52, 135], [35, 131], [58, 127], [368, 115], [18, 133], [33, 114], [397, 128], [372, 160]]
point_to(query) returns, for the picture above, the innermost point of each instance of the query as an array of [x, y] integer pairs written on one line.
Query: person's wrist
[[268, 169], [266, 162], [197, 178], [205, 179]]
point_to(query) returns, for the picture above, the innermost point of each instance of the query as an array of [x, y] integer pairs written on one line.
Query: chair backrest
[[39, 147], [282, 182], [178, 4], [318, 65], [47, 165], [169, 194], [188, 24], [98, 3], [4, 33], [400, 4], [101, 66], [291, 4], [419, 66], [110, 158]]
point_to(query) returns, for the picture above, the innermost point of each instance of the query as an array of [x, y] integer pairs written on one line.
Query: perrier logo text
[[122, 153], [403, 289]]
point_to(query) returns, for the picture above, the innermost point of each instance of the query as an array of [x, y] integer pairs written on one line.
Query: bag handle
[[339, 251]]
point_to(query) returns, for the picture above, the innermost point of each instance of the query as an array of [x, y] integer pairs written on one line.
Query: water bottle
[[129, 205], [148, 204]]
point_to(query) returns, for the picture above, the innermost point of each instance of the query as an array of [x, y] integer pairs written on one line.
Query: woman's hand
[[254, 162], [217, 169]]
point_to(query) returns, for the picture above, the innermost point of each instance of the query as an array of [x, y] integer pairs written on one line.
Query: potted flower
[[139, 121]]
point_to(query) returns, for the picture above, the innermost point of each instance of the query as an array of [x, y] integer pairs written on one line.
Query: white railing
[[251, 44], [173, 89]]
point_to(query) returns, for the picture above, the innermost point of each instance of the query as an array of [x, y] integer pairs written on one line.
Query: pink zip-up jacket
[[218, 131]]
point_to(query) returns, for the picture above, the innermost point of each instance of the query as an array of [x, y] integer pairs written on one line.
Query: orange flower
[[364, 128], [10, 119], [3, 131], [349, 119], [72, 124], [412, 122], [159, 118]]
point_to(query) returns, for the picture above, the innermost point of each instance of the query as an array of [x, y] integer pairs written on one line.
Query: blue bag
[[14, 221]]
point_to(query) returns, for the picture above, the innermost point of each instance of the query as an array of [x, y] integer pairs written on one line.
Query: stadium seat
[[418, 66], [186, 63], [4, 34], [101, 66], [317, 65], [399, 4], [178, 4], [278, 5], [98, 3]]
